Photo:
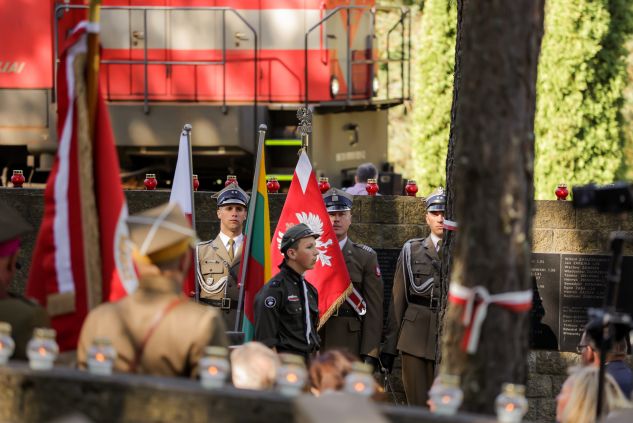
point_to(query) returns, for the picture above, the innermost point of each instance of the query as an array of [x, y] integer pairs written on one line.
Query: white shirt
[[239, 240], [342, 243], [435, 240]]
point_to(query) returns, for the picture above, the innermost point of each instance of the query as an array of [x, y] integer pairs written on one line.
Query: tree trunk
[[490, 187]]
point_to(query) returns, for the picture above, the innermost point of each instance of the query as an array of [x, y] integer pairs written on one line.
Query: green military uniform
[[413, 312], [346, 329], [22, 314], [156, 330], [217, 272], [287, 307]]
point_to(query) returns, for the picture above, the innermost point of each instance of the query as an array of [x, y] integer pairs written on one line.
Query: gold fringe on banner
[[335, 305]]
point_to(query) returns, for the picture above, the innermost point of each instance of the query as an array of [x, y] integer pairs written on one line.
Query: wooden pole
[[92, 62]]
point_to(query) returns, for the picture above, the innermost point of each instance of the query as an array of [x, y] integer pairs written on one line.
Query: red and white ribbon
[[450, 225], [476, 301]]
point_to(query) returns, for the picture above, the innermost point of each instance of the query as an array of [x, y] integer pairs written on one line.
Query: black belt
[[345, 312], [224, 303], [430, 302]]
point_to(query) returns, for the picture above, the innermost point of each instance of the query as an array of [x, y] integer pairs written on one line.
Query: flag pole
[[249, 224], [187, 129], [92, 62], [304, 114]]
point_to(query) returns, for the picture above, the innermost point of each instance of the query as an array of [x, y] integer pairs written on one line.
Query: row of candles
[[446, 395], [272, 184]]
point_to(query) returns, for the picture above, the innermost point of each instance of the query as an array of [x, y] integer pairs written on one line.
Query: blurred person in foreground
[[156, 330], [328, 371], [363, 173], [615, 360], [21, 313], [254, 366], [577, 400]]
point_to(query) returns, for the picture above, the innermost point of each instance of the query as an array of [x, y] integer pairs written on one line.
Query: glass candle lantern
[[42, 350], [446, 395], [150, 181], [101, 357], [17, 179], [411, 188], [214, 367], [292, 375], [272, 185], [372, 187], [561, 192], [196, 182], [360, 380], [324, 184], [511, 404], [7, 346], [230, 179]]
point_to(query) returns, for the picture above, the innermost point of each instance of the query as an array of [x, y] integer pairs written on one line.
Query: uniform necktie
[[307, 309], [439, 246], [231, 249]]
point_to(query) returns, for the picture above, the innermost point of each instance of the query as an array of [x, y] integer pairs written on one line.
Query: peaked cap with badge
[[12, 227], [232, 194], [294, 234], [162, 233], [337, 200], [436, 201]]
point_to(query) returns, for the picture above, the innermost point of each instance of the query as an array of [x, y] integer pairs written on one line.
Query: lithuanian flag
[[257, 252]]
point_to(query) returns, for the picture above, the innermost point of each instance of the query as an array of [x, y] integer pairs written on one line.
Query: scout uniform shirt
[[280, 313], [23, 315]]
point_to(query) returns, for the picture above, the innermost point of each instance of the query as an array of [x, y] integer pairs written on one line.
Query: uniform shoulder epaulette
[[415, 241], [26, 300], [275, 283], [204, 242], [366, 248]]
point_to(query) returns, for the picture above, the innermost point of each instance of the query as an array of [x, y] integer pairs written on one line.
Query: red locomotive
[[225, 66]]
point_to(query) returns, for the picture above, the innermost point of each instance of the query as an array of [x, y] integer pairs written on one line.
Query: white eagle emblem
[[314, 222]]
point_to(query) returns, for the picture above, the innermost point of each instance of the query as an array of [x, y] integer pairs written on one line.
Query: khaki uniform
[[177, 342], [23, 315], [346, 329], [215, 268], [412, 323]]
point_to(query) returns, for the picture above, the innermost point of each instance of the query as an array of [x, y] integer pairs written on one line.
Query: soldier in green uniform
[[219, 259], [21, 313], [356, 331], [412, 322], [287, 307], [156, 330]]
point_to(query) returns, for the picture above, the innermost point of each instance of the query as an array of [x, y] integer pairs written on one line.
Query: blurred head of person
[[254, 366], [365, 171], [328, 371], [577, 400], [12, 228]]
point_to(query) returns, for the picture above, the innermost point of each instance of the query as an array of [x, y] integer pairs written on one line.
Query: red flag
[[181, 194], [304, 204], [82, 255]]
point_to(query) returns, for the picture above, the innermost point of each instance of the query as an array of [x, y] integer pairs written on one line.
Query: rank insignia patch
[[293, 298]]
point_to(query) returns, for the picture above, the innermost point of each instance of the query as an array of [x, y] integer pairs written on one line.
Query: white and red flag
[[82, 255], [182, 194], [304, 204]]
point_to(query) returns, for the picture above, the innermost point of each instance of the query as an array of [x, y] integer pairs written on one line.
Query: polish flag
[[304, 204]]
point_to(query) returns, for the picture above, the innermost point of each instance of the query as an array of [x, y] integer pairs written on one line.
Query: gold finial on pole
[[304, 114]]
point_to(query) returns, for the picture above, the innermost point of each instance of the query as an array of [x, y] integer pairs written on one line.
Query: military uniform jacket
[[412, 322], [176, 344], [280, 317], [215, 268], [359, 335], [23, 315]]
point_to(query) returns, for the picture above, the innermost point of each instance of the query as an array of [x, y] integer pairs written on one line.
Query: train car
[[225, 66]]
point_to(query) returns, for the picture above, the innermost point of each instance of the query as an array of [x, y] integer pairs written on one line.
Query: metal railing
[[145, 62], [404, 22]]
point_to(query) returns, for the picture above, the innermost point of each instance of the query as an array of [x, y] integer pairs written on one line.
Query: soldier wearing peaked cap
[[412, 322], [287, 307], [354, 330], [21, 313], [156, 330], [219, 259]]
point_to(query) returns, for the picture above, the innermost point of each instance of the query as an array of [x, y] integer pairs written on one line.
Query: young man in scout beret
[[21, 313], [287, 307], [156, 330], [219, 259], [356, 331], [413, 312]]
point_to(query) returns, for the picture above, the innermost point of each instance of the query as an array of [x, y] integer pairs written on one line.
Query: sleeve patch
[[270, 302]]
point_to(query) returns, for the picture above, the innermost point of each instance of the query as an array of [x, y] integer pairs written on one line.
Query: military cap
[[12, 227], [162, 233], [436, 201], [337, 200], [232, 194], [294, 234]]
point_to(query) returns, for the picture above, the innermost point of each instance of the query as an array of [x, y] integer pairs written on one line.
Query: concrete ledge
[[29, 396]]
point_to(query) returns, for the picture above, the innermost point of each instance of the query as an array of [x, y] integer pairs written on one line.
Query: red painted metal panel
[[26, 54]]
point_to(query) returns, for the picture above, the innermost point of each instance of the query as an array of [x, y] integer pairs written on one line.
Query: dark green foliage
[[581, 80]]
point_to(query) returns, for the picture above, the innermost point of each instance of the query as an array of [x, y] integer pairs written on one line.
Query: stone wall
[[385, 223]]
